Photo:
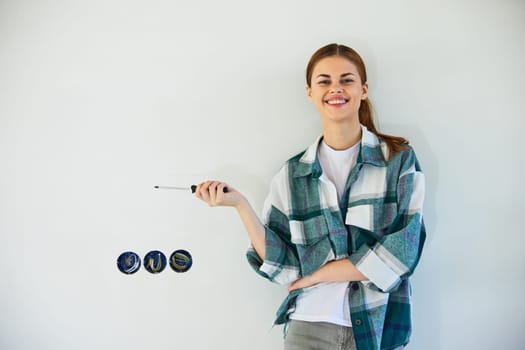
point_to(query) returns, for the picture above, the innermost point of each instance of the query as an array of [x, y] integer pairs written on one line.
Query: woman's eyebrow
[[328, 76]]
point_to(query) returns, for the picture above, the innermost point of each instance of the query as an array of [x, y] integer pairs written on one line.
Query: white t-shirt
[[328, 301]]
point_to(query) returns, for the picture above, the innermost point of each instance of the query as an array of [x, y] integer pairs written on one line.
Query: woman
[[342, 224]]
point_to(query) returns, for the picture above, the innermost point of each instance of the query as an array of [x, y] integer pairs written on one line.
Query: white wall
[[101, 100]]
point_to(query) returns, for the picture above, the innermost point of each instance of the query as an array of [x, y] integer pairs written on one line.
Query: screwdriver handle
[[194, 188]]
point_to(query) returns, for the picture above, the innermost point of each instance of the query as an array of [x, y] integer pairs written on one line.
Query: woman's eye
[[347, 81], [323, 82]]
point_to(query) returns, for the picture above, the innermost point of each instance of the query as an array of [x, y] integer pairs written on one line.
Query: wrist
[[316, 277], [241, 204]]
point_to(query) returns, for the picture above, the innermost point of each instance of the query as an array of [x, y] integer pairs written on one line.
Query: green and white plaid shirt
[[379, 228]]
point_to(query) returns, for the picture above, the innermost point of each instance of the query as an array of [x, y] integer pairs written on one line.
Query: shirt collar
[[372, 152]]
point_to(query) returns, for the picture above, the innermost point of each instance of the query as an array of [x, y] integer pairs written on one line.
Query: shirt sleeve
[[281, 264], [395, 256]]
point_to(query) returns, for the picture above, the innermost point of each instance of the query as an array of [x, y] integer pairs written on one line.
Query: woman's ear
[[308, 92], [365, 91]]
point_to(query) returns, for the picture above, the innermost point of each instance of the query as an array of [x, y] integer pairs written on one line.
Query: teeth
[[336, 102]]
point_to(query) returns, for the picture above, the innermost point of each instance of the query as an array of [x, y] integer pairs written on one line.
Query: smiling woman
[[337, 91], [335, 70], [342, 225]]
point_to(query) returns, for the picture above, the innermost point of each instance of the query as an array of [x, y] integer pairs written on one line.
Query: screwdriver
[[192, 188]]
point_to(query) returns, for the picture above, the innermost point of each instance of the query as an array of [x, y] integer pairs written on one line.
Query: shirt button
[[355, 286], [358, 322]]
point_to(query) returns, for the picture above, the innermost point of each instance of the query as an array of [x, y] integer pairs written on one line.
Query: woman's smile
[[337, 101]]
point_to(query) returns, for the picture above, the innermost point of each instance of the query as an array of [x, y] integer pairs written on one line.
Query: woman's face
[[336, 90]]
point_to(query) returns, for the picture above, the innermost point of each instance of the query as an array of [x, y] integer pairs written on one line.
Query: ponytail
[[394, 143]]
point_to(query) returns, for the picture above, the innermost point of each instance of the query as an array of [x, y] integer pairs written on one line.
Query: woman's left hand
[[303, 282], [334, 271]]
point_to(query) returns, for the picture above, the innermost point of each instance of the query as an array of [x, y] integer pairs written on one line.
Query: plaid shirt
[[379, 228]]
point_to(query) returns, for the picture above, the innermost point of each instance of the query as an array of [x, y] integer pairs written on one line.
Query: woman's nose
[[336, 89]]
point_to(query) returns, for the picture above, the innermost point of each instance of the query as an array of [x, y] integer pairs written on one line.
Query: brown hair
[[395, 143]]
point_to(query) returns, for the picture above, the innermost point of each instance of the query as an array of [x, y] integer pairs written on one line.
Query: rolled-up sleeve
[[281, 264], [395, 256]]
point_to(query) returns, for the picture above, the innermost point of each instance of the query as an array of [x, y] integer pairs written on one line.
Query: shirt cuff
[[377, 271]]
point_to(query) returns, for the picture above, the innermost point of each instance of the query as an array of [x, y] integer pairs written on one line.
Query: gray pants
[[301, 335]]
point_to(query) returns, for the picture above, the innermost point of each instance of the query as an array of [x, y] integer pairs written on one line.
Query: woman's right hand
[[212, 192]]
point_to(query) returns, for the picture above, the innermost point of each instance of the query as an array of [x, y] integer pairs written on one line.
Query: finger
[[292, 286], [198, 191], [213, 187], [205, 194], [213, 192], [220, 191]]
